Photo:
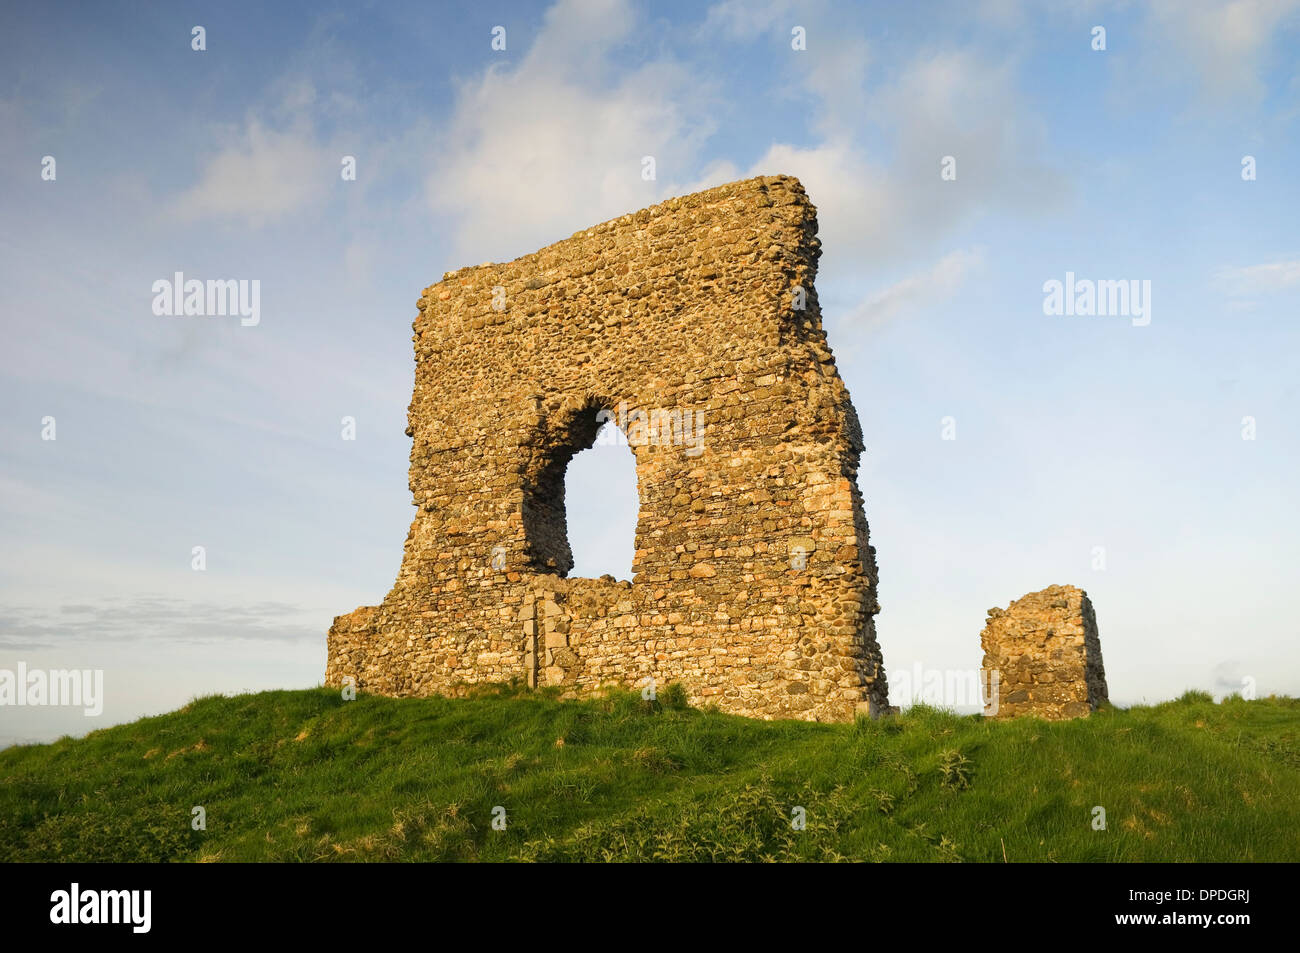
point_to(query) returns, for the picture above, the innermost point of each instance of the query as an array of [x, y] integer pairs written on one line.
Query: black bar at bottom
[[360, 903]]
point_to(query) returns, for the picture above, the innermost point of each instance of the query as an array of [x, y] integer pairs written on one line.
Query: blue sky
[[1072, 432]]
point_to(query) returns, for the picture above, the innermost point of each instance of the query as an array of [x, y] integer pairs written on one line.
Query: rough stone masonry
[[1046, 652], [754, 585]]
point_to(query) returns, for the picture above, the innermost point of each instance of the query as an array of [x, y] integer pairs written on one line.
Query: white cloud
[[1222, 46], [261, 176], [944, 104], [959, 104], [534, 153]]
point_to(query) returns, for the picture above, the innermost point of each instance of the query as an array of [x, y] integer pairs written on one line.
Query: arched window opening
[[601, 504]]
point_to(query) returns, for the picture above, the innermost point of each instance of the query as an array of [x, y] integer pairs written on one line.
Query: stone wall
[[754, 584], [1046, 654]]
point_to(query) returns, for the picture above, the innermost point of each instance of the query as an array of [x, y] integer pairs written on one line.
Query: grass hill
[[305, 775]]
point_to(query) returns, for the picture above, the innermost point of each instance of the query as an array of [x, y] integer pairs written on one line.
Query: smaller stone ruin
[[1042, 657]]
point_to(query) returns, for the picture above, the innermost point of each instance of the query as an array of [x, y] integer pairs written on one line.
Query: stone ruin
[[694, 324], [1042, 657]]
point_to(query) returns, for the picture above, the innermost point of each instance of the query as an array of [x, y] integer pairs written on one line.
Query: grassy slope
[[304, 775]]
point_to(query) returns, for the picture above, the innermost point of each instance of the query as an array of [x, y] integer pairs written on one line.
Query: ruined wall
[[1046, 654], [754, 585]]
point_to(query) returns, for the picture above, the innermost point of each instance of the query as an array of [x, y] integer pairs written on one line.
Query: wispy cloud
[[153, 619], [934, 284], [1265, 278]]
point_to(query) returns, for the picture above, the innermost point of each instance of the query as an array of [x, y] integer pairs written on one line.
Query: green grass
[[304, 775]]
